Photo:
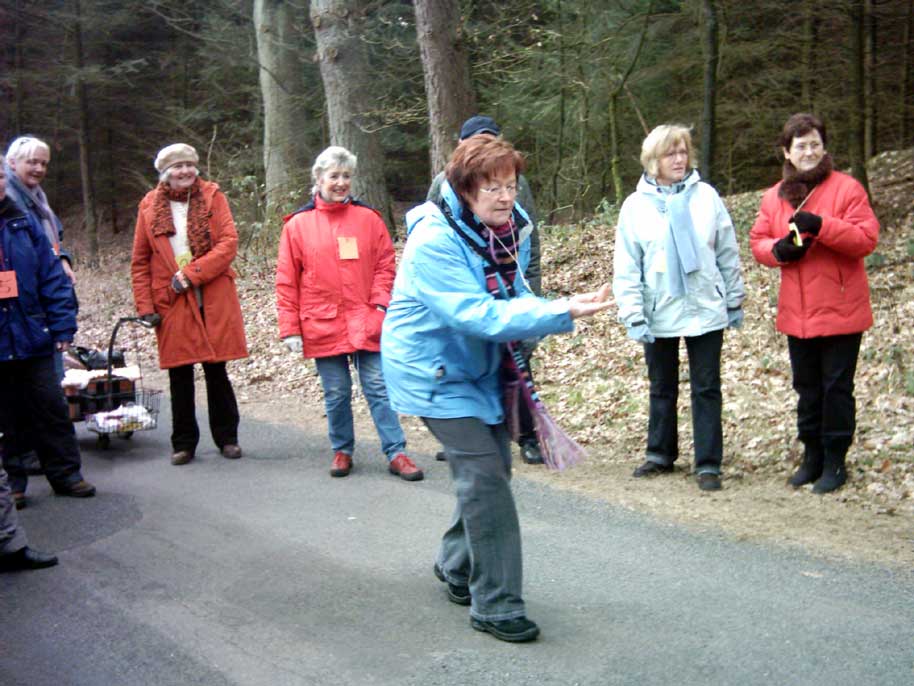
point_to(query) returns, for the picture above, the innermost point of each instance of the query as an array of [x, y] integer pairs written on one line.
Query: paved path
[[266, 571]]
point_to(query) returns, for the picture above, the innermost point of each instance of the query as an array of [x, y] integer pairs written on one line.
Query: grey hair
[[165, 174], [334, 157], [660, 141], [24, 147]]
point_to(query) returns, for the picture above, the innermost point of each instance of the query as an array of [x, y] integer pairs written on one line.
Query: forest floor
[[595, 384]]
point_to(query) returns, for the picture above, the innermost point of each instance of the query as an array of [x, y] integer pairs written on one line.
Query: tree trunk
[[613, 109], [808, 54], [906, 79], [446, 67], [709, 113], [858, 99], [345, 72], [560, 144], [286, 152], [869, 82], [85, 161]]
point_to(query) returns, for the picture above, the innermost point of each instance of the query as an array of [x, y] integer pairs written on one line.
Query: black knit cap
[[478, 124]]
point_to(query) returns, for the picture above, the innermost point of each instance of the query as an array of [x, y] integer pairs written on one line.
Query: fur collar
[[198, 237], [797, 185]]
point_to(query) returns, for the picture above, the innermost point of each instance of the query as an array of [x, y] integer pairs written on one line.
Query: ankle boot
[[811, 467], [834, 474]]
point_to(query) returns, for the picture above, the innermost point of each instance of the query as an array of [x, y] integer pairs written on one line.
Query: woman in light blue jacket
[[676, 273], [460, 295]]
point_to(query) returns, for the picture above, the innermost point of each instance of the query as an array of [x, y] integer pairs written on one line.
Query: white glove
[[293, 343]]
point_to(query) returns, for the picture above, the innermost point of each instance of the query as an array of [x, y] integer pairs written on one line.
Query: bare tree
[[446, 67], [85, 158], [286, 150], [709, 110], [345, 72], [857, 104]]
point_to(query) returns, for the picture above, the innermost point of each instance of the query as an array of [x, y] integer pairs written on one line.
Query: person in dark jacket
[[36, 319], [480, 125]]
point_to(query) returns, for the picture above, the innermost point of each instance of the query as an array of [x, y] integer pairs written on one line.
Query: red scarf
[[198, 237]]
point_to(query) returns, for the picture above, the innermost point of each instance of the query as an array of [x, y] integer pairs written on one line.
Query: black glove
[[807, 222], [153, 319], [785, 250], [177, 286]]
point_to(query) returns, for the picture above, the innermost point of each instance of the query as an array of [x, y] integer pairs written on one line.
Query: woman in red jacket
[[183, 282], [824, 301], [334, 275]]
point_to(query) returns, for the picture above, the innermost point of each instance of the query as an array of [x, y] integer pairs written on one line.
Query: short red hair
[[479, 158]]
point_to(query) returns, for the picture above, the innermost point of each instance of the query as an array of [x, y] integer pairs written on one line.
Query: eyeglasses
[[804, 147], [673, 154], [496, 191]]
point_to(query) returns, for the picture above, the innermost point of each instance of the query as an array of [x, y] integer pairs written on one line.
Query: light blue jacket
[[441, 343], [640, 264]]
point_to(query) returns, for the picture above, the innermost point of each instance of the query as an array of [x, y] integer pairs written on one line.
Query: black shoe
[[26, 558], [19, 499], [513, 630], [441, 456], [709, 482], [80, 489], [652, 469], [456, 594], [530, 451], [831, 480]]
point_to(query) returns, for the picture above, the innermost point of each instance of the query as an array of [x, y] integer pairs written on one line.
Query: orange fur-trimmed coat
[[186, 335]]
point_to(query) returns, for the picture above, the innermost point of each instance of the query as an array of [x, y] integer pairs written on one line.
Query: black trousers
[[220, 402], [823, 377], [32, 406], [662, 358]]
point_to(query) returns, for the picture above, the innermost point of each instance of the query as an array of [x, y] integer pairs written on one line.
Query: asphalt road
[[265, 571]]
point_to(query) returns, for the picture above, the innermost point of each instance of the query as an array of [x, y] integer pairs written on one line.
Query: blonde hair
[[24, 147], [334, 157], [660, 141]]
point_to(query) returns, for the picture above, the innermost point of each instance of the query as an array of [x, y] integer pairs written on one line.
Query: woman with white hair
[[677, 274], [334, 275], [184, 284], [27, 161]]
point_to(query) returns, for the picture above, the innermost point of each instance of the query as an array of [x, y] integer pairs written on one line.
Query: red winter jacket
[[336, 267], [826, 293]]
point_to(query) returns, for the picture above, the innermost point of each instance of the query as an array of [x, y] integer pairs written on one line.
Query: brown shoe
[[19, 500], [182, 457], [81, 489], [342, 464], [403, 467], [231, 451]]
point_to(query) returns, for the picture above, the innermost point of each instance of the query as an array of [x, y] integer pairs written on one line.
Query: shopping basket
[[115, 404]]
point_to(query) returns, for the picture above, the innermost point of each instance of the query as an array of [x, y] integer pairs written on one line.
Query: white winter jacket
[[639, 264]]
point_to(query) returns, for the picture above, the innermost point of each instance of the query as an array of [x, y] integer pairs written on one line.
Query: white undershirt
[[178, 240]]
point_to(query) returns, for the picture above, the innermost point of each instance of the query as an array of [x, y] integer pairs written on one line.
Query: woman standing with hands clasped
[[183, 282], [677, 274], [824, 300]]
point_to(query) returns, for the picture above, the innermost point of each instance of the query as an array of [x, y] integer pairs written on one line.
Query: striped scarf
[[502, 242]]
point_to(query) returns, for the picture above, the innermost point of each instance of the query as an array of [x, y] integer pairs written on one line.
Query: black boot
[[834, 474], [811, 466]]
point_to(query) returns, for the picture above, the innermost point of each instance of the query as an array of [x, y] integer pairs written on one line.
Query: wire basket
[[140, 414]]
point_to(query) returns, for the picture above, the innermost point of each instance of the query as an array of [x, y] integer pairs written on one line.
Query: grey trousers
[[482, 547], [12, 537]]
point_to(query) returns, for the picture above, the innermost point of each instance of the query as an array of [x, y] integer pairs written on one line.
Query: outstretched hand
[[588, 304]]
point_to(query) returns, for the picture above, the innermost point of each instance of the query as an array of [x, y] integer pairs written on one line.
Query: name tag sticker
[[184, 259], [349, 247], [8, 286]]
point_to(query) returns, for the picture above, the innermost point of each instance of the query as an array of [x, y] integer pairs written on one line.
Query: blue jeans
[[337, 383], [704, 380], [482, 545]]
